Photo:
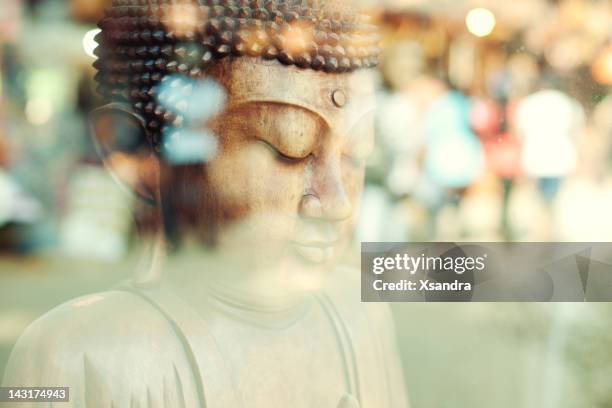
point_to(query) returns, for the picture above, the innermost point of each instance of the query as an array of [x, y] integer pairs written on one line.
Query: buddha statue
[[241, 300]]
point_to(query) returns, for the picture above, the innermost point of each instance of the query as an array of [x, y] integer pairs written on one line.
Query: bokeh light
[[182, 19], [194, 100], [89, 42], [39, 111], [480, 22], [189, 147], [602, 68]]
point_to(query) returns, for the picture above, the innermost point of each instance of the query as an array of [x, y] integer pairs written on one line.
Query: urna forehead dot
[[339, 98]]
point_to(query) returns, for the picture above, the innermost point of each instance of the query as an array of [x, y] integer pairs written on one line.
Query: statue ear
[[120, 137]]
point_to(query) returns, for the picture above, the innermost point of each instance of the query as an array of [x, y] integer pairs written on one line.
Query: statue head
[[279, 93]]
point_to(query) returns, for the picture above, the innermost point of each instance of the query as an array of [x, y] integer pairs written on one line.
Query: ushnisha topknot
[[143, 42]]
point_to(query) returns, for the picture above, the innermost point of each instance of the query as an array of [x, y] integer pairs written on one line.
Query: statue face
[[289, 173]]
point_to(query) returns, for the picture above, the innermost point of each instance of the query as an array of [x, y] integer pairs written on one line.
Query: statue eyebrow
[[318, 113], [268, 126], [351, 121]]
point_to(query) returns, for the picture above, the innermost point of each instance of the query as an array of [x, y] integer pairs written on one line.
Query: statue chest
[[321, 358], [304, 364]]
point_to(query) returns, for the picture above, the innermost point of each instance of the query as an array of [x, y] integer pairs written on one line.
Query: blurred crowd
[[493, 124]]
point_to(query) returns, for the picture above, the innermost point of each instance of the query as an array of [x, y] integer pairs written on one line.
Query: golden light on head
[[253, 41], [182, 19], [297, 38]]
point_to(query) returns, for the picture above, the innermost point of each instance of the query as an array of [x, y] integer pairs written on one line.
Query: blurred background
[[494, 124]]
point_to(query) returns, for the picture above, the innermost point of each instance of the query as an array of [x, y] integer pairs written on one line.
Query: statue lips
[[316, 252]]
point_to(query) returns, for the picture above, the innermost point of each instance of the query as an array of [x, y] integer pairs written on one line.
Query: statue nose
[[328, 197], [348, 401], [334, 208]]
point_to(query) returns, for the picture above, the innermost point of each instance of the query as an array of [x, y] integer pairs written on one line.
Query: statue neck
[[205, 281], [252, 306]]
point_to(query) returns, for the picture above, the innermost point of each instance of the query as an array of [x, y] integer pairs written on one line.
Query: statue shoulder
[[110, 346], [99, 320]]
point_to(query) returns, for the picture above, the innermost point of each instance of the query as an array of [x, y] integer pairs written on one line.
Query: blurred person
[[454, 158], [504, 161], [400, 133], [247, 140], [18, 209], [96, 220], [549, 122], [396, 170], [518, 79], [486, 118], [400, 146], [584, 200], [501, 148]]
